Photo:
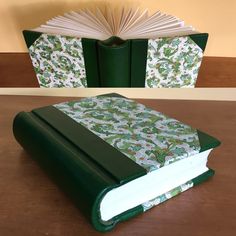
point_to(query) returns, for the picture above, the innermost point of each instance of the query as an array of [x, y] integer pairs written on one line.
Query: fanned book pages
[[114, 157], [116, 48], [122, 22]]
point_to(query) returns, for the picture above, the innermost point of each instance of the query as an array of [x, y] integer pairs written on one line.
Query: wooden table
[[16, 70], [31, 204]]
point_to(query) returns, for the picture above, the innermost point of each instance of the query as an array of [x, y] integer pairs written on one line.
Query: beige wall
[[217, 17]]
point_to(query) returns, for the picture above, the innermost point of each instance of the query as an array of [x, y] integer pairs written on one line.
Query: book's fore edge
[[79, 177], [114, 62], [30, 37], [200, 39], [139, 209], [119, 166], [138, 52], [91, 62], [206, 141]]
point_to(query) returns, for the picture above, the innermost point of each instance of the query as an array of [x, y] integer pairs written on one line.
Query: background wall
[[217, 17]]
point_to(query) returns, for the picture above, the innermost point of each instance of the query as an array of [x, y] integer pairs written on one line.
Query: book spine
[[91, 62], [80, 178], [114, 62], [138, 62]]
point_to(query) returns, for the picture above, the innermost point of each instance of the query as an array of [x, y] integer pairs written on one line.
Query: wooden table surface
[[31, 204], [16, 70]]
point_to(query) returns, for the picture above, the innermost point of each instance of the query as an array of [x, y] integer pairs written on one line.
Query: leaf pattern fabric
[[172, 62], [146, 136], [58, 61]]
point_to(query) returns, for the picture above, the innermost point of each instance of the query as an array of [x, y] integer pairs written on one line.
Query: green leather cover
[[63, 149], [207, 141], [138, 62], [91, 65], [30, 37], [200, 39], [114, 62]]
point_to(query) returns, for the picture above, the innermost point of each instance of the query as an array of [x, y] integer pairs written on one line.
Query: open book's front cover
[[96, 144], [166, 62]]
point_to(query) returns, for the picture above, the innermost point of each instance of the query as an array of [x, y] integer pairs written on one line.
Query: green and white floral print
[[146, 136], [172, 62], [58, 61], [162, 198]]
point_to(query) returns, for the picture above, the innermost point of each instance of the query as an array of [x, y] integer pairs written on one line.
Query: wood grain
[[16, 71], [31, 204]]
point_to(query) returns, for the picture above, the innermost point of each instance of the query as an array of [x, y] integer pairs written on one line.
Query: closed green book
[[114, 157], [67, 52]]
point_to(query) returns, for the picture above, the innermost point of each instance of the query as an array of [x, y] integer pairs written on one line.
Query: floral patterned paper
[[146, 136], [58, 61], [162, 198], [172, 62]]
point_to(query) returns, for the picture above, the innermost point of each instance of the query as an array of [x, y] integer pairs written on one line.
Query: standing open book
[[116, 48]]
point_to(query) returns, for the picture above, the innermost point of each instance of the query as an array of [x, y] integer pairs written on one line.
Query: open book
[[116, 48]]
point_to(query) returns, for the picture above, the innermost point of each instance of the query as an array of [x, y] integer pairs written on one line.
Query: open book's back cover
[[62, 61]]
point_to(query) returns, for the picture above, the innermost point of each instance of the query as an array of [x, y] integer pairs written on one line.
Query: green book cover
[[114, 157], [167, 56]]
